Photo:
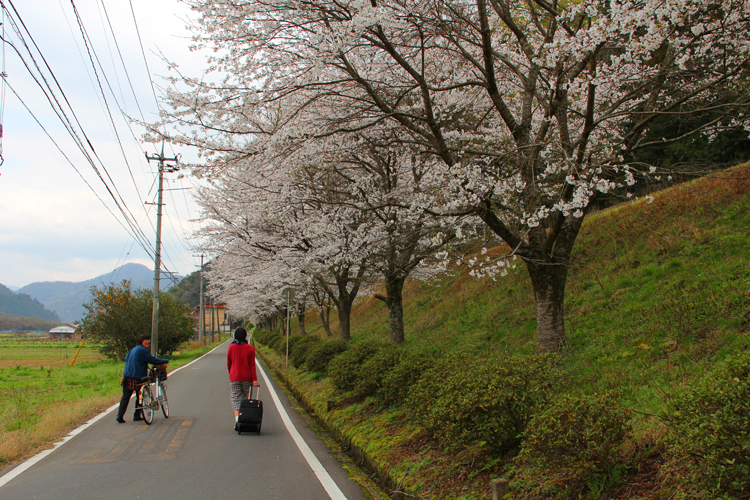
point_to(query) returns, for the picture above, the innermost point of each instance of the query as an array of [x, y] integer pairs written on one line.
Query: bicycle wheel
[[146, 399], [164, 402]]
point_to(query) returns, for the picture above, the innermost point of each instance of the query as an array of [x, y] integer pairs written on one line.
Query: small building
[[65, 332], [216, 318]]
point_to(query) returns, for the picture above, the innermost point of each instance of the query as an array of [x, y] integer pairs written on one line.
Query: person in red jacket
[[241, 367]]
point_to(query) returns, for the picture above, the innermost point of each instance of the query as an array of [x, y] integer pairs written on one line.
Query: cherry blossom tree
[[268, 237], [531, 107], [395, 189]]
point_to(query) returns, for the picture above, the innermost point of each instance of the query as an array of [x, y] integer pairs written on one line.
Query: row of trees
[[349, 142], [25, 324]]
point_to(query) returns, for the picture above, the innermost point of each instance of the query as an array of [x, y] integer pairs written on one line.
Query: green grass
[[35, 383], [658, 293]]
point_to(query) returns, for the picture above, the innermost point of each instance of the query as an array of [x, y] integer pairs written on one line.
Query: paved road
[[193, 455]]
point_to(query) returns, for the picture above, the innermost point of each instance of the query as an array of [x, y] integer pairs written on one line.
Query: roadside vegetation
[[43, 397], [647, 399], [117, 314]]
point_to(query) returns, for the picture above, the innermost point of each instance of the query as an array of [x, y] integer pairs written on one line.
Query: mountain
[[67, 298], [188, 291], [23, 305]]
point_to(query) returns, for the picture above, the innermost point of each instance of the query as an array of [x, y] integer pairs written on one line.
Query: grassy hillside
[[658, 295], [652, 286]]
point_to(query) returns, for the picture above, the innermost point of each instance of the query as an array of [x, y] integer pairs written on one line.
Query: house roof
[[64, 328]]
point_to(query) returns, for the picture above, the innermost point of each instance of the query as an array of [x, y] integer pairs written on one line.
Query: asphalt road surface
[[195, 454]]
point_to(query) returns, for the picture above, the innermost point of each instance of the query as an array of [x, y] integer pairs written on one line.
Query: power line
[[148, 251], [89, 50], [62, 115], [44, 77]]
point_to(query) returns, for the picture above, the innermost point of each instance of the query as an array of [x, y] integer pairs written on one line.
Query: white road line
[[5, 479], [322, 474]]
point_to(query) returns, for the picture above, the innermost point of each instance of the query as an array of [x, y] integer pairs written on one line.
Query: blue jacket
[[137, 360]]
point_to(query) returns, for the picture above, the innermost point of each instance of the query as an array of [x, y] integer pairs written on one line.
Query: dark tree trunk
[[549, 282], [345, 314], [394, 287], [546, 254], [347, 288], [325, 315]]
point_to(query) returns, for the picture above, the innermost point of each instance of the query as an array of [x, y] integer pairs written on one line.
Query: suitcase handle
[[250, 394]]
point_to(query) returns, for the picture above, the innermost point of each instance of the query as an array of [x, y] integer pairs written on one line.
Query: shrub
[[293, 339], [397, 381], [375, 369], [488, 401], [299, 351], [266, 337], [344, 368], [117, 314], [710, 427], [322, 353], [277, 342], [580, 438]]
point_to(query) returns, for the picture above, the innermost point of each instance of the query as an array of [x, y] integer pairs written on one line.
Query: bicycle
[[152, 400]]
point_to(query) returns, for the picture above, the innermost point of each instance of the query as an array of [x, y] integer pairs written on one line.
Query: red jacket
[[241, 363]]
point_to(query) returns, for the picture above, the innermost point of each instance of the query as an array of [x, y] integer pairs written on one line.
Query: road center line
[[322, 474]]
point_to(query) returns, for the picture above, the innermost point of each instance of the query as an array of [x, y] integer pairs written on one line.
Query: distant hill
[[23, 305], [187, 291], [67, 298], [22, 324]]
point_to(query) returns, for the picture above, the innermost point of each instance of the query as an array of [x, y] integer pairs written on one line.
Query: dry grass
[[49, 362], [56, 422]]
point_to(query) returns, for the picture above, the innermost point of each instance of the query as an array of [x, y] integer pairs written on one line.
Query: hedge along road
[[194, 454]]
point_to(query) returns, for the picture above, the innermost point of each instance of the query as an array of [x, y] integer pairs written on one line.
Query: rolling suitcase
[[251, 414]]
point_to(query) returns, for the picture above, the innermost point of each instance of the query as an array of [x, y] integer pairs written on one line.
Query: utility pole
[[202, 309], [157, 260]]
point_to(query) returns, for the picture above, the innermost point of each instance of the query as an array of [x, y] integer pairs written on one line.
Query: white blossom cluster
[[364, 133]]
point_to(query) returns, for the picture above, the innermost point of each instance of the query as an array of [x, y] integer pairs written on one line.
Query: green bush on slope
[[344, 369], [299, 351], [489, 400], [710, 428], [579, 437], [322, 353]]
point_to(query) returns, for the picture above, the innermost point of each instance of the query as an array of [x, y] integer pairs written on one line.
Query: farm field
[[36, 352], [42, 397]]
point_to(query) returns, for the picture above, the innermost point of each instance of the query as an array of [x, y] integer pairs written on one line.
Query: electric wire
[[122, 60], [2, 89], [148, 251], [84, 36], [62, 115], [151, 80], [89, 50], [100, 7], [41, 80]]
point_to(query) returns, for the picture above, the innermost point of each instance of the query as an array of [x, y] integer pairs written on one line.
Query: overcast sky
[[53, 226]]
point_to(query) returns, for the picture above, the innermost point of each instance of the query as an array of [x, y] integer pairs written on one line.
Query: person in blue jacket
[[136, 368]]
